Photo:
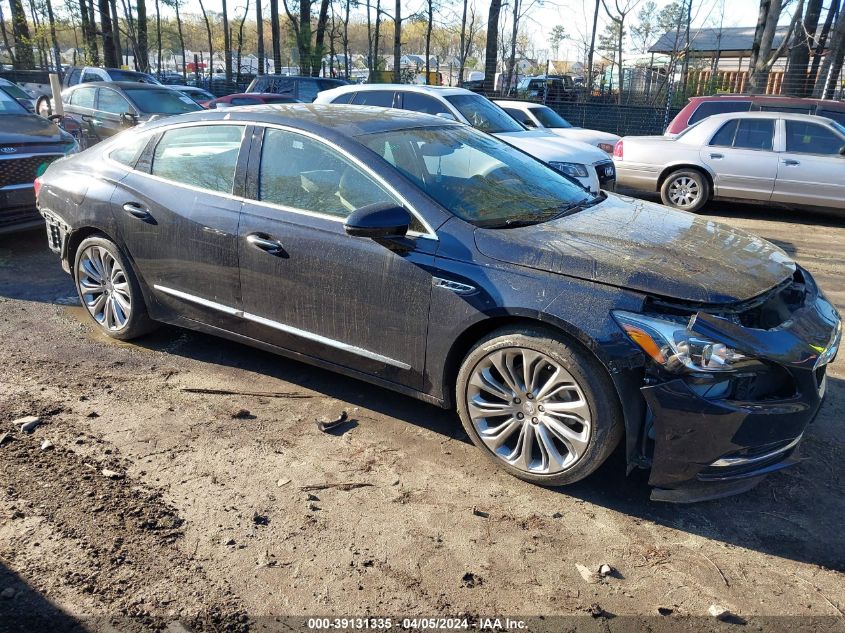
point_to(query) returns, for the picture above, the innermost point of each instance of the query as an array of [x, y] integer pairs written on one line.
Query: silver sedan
[[792, 159]]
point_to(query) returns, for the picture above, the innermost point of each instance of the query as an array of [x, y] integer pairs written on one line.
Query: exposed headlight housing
[[576, 170], [606, 147], [674, 347]]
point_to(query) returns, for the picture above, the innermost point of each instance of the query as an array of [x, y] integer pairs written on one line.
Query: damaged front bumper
[[709, 436]]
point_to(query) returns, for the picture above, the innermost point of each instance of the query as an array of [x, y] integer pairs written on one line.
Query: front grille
[[606, 171], [21, 171]]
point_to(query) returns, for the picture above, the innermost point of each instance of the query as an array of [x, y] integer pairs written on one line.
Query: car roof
[[444, 91], [779, 99], [521, 105], [323, 119], [768, 114], [119, 84]]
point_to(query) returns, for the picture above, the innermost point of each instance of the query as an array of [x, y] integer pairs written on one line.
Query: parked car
[[427, 257], [73, 76], [250, 98], [18, 94], [200, 95], [791, 159], [542, 87], [106, 108], [588, 165], [303, 89], [541, 117], [28, 143], [699, 108]]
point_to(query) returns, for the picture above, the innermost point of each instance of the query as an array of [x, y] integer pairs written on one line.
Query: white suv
[[587, 164]]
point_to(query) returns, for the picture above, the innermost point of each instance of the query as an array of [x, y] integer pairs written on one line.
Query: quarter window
[[202, 156], [811, 138], [725, 136], [301, 173], [130, 148]]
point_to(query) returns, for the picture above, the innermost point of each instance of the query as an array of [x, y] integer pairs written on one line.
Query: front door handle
[[265, 243], [790, 161], [136, 210], [717, 156]]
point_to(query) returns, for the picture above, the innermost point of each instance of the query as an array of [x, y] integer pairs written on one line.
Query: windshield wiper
[[569, 209]]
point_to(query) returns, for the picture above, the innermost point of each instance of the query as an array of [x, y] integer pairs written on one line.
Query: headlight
[[675, 347], [576, 170], [606, 147]]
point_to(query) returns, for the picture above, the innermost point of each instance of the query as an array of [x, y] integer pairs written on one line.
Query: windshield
[[549, 118], [477, 177], [483, 114], [8, 105], [164, 101], [130, 75], [14, 91]]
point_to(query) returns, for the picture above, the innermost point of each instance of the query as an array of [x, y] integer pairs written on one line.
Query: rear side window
[[811, 138], [307, 90], [754, 134], [202, 156], [709, 108], [836, 115], [380, 98], [300, 173], [773, 107], [344, 98]]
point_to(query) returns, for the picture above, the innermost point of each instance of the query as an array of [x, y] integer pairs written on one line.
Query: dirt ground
[[227, 512]]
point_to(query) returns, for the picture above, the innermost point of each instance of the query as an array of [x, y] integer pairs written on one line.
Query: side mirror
[[842, 151], [128, 118], [380, 220]]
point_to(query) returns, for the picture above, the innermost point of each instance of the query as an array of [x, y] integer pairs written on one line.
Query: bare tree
[[276, 36], [259, 34], [469, 30], [428, 28], [115, 26], [796, 82], [227, 44], [832, 66], [592, 50], [492, 46], [821, 43], [9, 48], [210, 40], [623, 9], [175, 4], [110, 57], [158, 37], [397, 42], [51, 18], [142, 57], [241, 39], [762, 57]]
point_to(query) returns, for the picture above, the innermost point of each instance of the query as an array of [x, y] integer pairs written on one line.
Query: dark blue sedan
[[427, 257]]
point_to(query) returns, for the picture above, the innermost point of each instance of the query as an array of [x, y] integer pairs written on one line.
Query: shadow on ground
[[25, 610]]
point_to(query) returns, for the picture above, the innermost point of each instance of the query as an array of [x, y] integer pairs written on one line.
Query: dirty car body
[[713, 344]]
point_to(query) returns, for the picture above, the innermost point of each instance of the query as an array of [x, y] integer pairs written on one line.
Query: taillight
[[617, 149], [37, 186]]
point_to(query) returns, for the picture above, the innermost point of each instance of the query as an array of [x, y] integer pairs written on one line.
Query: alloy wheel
[[104, 288], [684, 192], [529, 410]]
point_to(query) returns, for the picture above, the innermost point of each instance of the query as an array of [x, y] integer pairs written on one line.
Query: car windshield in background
[[483, 114], [8, 105], [164, 101], [478, 178], [549, 118], [128, 75], [14, 91]]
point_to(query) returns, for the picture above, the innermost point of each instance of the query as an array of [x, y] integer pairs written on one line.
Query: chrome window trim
[[430, 234], [288, 329]]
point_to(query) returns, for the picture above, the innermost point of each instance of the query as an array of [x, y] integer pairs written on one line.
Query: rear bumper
[[637, 176], [704, 446]]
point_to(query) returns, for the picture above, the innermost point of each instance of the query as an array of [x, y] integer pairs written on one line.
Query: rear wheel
[[685, 189], [109, 290], [43, 106], [538, 406]]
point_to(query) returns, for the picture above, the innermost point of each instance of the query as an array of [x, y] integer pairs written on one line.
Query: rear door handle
[[265, 243], [790, 161], [137, 211], [717, 156]]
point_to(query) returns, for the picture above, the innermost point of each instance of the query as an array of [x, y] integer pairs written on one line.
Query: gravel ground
[[160, 506]]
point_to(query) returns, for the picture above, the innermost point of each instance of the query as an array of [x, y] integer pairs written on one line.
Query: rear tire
[[685, 189], [568, 412], [44, 106], [109, 290]]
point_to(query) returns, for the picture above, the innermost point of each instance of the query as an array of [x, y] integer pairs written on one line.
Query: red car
[[699, 108], [250, 98]]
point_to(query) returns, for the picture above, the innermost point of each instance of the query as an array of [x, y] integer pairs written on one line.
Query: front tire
[[685, 189], [538, 406], [109, 290]]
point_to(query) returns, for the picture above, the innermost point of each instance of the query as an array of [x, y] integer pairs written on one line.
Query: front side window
[[550, 118], [477, 177], [521, 116], [422, 103], [811, 138], [754, 134], [299, 172], [483, 114], [161, 101], [88, 76], [112, 102], [202, 156], [83, 97]]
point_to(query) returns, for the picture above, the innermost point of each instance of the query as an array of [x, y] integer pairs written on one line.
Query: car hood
[[592, 137], [648, 248], [29, 128], [551, 147]]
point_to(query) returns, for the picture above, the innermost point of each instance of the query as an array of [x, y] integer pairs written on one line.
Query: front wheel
[[538, 406], [109, 290], [685, 189]]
